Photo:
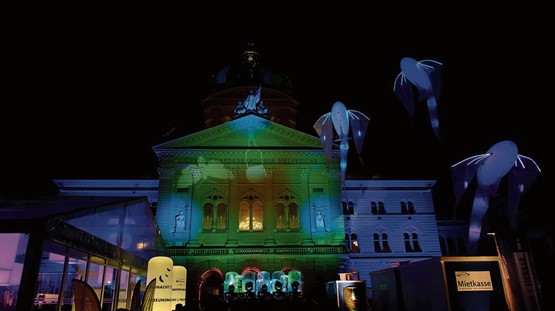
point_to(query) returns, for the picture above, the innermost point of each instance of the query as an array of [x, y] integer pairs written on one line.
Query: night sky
[[91, 103]]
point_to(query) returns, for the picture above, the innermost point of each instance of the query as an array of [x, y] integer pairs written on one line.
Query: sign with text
[[473, 281], [179, 286], [160, 268], [527, 280]]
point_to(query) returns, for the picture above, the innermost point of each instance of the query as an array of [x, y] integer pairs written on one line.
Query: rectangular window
[[51, 274], [124, 290], [257, 217], [208, 213], [280, 217], [111, 277], [294, 217], [96, 275], [76, 269], [354, 247], [244, 216], [221, 212], [251, 217], [11, 267]]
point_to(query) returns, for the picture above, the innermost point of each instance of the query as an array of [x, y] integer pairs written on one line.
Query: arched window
[[281, 217], [377, 244], [404, 209], [381, 208], [345, 209], [415, 244], [207, 217], [374, 208], [411, 208], [411, 242], [244, 216], [293, 216], [408, 244], [251, 213], [354, 244], [287, 213], [385, 243], [221, 213], [257, 219], [381, 244], [214, 213]]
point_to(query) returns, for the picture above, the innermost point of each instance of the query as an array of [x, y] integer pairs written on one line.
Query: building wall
[[316, 247], [316, 269], [186, 188], [453, 237], [319, 190], [362, 221]]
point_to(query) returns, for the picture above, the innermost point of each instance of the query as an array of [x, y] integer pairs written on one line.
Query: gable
[[248, 131]]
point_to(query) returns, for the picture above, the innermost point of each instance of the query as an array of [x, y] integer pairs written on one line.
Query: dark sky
[[91, 102]]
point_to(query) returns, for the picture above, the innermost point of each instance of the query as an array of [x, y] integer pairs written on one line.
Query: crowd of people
[[263, 300]]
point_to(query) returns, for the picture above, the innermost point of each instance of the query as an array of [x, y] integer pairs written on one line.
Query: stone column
[[233, 209], [196, 212], [269, 213], [305, 204]]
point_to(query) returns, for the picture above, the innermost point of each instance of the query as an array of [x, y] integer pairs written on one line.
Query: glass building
[[46, 243]]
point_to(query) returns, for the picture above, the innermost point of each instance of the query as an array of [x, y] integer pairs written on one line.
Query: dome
[[248, 70]]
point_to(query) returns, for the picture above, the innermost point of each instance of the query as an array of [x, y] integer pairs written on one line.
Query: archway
[[210, 288]]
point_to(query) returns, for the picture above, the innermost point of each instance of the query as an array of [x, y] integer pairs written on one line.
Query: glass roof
[[125, 222]]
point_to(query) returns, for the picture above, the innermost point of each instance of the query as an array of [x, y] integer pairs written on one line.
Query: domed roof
[[248, 70]]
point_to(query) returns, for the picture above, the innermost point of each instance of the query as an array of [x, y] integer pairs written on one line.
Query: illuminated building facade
[[254, 194], [250, 193], [389, 223], [249, 197]]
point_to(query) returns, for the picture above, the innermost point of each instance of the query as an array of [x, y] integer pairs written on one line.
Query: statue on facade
[[321, 221], [179, 223], [252, 104], [252, 99]]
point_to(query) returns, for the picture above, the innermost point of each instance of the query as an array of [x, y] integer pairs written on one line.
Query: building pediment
[[245, 132]]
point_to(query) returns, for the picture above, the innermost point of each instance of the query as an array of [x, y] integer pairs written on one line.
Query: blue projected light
[[424, 75], [341, 120], [502, 159]]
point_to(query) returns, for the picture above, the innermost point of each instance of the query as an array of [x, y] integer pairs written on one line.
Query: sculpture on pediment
[[252, 104]]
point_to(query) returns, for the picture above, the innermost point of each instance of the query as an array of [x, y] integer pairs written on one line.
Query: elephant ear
[[359, 124], [324, 128], [520, 179], [433, 70], [403, 89], [463, 173]]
